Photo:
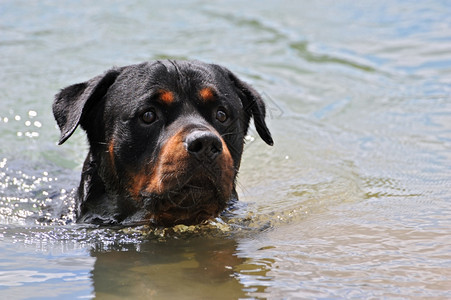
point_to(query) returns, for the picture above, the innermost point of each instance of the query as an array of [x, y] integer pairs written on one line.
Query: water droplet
[[32, 113]]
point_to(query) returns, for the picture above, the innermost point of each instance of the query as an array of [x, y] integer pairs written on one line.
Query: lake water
[[353, 201]]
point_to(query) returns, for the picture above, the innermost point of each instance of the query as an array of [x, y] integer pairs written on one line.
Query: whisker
[[231, 133]]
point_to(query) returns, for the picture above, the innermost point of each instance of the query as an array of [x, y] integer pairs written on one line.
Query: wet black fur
[[108, 107]]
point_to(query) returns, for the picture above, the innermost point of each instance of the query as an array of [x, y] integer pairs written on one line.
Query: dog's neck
[[95, 204]]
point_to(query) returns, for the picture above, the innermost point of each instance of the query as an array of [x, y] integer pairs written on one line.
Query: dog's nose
[[204, 145]]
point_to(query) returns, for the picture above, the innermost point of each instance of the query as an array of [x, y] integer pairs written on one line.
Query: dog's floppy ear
[[253, 105], [72, 102]]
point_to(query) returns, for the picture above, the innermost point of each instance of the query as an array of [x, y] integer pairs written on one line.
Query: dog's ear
[[74, 101], [253, 105]]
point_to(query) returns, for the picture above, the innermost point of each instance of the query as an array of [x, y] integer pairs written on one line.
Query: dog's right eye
[[221, 115], [149, 117]]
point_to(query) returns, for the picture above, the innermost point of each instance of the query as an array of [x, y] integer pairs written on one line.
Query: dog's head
[[166, 137]]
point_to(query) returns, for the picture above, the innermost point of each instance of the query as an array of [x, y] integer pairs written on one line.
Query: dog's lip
[[176, 181], [188, 190]]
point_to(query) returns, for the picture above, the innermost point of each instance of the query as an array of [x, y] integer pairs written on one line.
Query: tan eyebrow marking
[[166, 96], [207, 94]]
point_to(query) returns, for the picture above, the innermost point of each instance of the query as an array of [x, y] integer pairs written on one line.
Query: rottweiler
[[165, 141]]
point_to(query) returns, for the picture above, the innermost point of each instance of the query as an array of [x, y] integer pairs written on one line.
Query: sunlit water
[[353, 201]]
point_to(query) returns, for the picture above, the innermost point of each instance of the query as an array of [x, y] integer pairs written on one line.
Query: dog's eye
[[221, 115], [149, 117]]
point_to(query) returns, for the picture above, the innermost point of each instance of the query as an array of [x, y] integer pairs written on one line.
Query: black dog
[[166, 140]]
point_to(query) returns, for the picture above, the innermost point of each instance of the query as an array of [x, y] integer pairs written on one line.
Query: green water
[[353, 201]]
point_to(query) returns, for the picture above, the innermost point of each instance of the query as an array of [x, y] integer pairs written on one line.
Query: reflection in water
[[186, 268]]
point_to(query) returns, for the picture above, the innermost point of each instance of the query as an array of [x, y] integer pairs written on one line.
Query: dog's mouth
[[191, 181], [194, 202]]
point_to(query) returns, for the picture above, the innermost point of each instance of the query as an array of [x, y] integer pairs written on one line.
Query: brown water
[[353, 201]]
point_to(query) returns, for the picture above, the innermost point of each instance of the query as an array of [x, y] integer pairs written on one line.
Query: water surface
[[353, 201]]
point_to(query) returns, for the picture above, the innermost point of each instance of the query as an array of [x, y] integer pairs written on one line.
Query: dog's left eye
[[221, 115], [149, 117]]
